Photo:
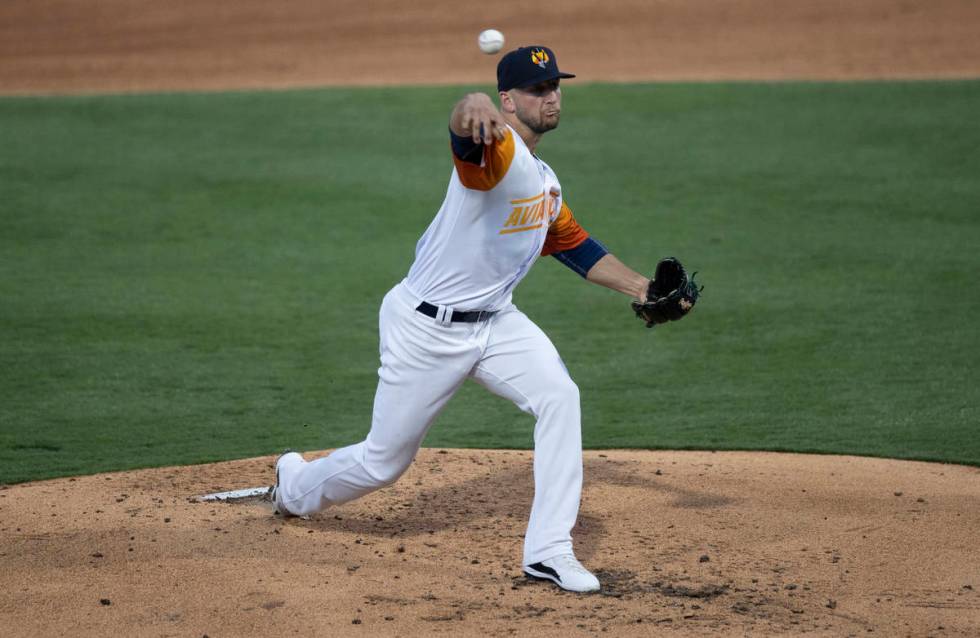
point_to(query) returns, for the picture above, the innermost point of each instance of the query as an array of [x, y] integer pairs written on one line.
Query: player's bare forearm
[[612, 273], [476, 116]]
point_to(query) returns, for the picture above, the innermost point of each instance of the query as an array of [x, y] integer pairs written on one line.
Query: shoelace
[[572, 563]]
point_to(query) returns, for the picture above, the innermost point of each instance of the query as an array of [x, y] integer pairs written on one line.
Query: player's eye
[[544, 88]]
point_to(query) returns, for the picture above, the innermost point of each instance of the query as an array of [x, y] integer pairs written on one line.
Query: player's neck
[[530, 138]]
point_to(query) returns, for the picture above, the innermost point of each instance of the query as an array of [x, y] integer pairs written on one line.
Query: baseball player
[[452, 318]]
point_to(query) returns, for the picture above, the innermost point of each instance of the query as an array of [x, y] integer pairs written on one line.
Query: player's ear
[[506, 102]]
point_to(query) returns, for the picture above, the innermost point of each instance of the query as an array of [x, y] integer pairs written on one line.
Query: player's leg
[[422, 366], [521, 364]]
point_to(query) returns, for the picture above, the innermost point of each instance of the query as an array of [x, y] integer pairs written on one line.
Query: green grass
[[188, 278]]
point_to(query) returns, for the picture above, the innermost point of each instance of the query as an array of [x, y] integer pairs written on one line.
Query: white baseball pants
[[423, 363]]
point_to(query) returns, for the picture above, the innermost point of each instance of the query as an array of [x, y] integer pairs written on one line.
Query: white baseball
[[490, 41]]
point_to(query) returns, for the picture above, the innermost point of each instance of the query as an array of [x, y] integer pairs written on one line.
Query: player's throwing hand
[[477, 117]]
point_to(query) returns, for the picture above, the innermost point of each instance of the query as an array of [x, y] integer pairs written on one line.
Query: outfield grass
[[188, 278]]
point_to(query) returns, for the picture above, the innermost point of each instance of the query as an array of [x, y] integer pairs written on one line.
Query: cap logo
[[540, 57]]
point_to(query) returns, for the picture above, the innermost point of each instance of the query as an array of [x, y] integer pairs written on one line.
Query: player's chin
[[550, 122]]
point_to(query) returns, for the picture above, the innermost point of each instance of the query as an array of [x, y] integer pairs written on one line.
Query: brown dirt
[[690, 543], [57, 46]]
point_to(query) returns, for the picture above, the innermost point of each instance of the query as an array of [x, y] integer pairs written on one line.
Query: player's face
[[538, 107]]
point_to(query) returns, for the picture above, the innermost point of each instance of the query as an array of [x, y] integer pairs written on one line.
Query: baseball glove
[[670, 294]]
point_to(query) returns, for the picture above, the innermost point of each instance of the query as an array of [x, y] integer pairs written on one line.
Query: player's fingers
[[496, 129], [486, 128], [476, 128], [466, 123], [492, 134]]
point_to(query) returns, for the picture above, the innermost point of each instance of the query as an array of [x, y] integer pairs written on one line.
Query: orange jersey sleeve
[[564, 233], [496, 160]]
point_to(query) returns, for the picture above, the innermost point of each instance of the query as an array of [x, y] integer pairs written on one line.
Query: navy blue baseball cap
[[528, 66]]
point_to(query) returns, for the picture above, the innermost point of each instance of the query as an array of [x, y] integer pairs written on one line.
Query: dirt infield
[[685, 544], [688, 543], [63, 46]]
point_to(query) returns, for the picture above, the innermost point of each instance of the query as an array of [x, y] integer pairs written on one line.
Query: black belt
[[466, 317]]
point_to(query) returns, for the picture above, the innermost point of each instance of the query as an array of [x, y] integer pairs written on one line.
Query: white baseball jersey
[[496, 220]]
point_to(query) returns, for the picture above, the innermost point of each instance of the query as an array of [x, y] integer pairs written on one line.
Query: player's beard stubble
[[541, 122]]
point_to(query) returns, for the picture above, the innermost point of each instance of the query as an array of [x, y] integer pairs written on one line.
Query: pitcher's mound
[[693, 543]]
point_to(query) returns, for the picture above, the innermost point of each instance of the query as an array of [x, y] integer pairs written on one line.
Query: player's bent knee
[[560, 394], [568, 391]]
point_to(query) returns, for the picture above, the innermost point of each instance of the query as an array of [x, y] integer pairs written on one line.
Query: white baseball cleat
[[274, 492], [566, 572]]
